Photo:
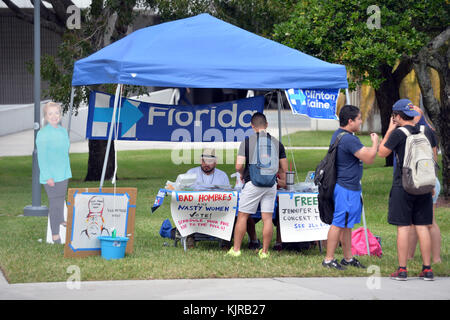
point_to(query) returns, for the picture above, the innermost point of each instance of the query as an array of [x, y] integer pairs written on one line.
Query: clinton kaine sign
[[227, 121]]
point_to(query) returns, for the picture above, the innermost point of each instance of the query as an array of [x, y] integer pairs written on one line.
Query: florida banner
[[137, 120]]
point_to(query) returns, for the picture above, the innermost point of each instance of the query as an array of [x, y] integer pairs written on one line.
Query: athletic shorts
[[406, 209], [252, 195], [347, 207]]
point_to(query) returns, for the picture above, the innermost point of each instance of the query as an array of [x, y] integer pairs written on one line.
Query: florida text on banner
[[320, 104], [300, 219], [208, 212], [226, 121]]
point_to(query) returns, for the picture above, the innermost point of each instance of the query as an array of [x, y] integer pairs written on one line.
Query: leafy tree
[[376, 45]]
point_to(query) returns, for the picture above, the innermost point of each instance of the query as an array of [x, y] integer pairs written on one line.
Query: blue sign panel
[[320, 104], [227, 121]]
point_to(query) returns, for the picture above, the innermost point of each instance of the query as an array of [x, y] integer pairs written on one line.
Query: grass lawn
[[25, 259]]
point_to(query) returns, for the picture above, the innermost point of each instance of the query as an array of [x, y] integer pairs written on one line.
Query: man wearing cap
[[207, 174], [406, 209]]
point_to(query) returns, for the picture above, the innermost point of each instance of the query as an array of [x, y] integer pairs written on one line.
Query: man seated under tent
[[207, 176]]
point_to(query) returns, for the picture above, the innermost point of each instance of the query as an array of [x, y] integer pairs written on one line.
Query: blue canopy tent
[[204, 52]]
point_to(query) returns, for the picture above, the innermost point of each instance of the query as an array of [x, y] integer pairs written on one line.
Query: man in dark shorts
[[407, 209]]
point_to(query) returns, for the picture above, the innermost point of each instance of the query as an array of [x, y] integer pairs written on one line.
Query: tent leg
[[365, 229], [279, 114], [105, 162]]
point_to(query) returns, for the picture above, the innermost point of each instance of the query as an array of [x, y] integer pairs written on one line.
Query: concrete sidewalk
[[363, 288]]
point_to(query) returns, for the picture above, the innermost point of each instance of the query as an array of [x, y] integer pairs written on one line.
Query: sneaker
[[233, 253], [254, 245], [263, 255], [427, 275], [333, 264], [354, 263], [401, 274]]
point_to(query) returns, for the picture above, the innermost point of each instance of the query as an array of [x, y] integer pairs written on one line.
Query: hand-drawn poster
[[300, 219], [208, 212], [92, 214]]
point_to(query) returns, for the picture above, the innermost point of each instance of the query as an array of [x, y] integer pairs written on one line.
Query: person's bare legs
[[423, 233], [436, 239], [333, 238], [267, 230], [239, 230], [412, 243], [403, 233], [347, 243]]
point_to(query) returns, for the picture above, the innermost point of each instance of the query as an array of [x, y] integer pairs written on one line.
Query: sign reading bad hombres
[[208, 212]]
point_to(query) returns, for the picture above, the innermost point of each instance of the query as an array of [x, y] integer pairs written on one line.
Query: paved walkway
[[363, 288]]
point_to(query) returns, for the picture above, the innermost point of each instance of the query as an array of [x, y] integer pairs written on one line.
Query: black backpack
[[325, 179]]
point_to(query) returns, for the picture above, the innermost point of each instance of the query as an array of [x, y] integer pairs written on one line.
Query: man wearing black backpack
[[412, 207], [260, 158], [351, 154]]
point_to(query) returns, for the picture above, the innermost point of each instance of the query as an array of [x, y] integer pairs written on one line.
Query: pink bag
[[359, 247]]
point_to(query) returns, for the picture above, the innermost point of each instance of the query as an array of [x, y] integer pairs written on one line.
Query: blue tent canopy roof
[[205, 52]]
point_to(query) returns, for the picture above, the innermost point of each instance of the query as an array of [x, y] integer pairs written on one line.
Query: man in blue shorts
[[351, 154]]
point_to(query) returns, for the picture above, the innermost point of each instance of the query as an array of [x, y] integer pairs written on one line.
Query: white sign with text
[[208, 212], [300, 219]]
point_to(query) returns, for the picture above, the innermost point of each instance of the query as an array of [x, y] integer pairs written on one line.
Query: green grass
[[24, 259], [318, 139]]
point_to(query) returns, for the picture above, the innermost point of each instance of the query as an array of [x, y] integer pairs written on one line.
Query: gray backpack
[[263, 167], [419, 167]]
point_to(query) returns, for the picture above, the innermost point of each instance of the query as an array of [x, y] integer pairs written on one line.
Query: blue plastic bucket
[[113, 248]]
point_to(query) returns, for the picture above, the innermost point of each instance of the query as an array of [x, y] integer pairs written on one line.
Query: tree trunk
[[433, 56], [97, 151], [387, 94]]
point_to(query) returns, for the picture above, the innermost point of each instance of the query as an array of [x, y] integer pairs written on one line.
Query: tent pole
[[365, 227], [347, 96], [36, 209], [111, 129], [279, 114]]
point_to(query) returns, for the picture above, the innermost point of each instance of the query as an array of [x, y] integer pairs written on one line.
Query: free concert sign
[[300, 219]]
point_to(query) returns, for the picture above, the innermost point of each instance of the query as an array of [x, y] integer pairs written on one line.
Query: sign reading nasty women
[[208, 212], [300, 219]]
